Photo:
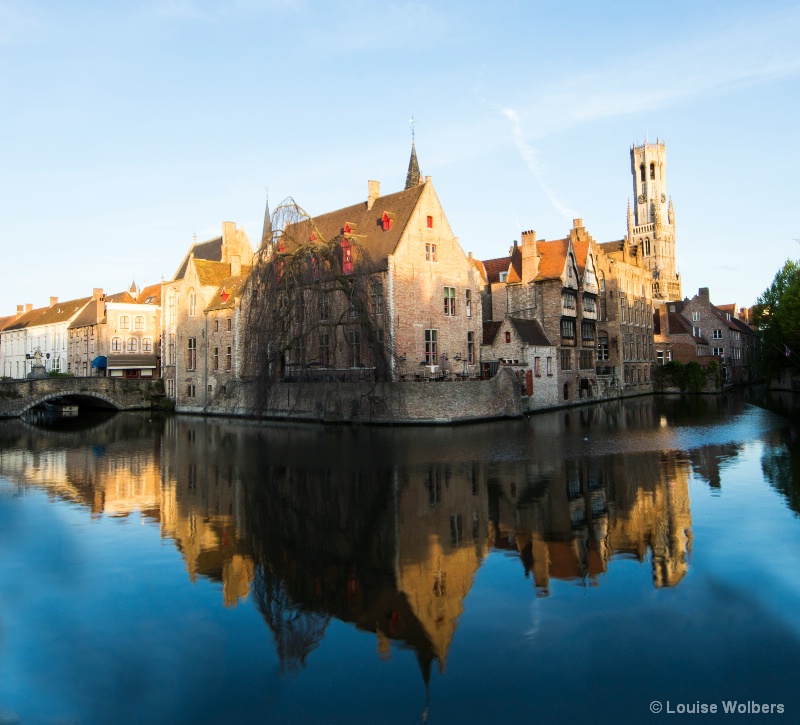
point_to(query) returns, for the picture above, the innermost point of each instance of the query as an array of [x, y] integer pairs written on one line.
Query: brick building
[[118, 335], [198, 280], [716, 334], [425, 292]]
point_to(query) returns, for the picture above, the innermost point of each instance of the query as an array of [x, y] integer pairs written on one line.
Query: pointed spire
[[266, 234], [134, 290], [413, 176]]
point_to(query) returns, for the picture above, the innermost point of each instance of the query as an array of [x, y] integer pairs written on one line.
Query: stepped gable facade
[[197, 281]]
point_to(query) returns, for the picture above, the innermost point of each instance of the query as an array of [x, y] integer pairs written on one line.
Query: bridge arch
[[83, 395]]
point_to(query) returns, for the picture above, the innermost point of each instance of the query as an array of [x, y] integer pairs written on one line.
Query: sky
[[127, 128]]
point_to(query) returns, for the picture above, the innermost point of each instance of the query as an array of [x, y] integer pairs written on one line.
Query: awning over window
[[100, 361], [132, 362]]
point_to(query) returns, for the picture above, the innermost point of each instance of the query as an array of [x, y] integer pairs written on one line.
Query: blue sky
[[128, 127]]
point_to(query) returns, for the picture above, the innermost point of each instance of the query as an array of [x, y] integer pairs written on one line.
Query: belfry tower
[[651, 221]]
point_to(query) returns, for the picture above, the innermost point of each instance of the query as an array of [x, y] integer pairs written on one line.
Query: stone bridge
[[19, 396]]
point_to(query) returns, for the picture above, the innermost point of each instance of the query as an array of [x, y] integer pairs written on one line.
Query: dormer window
[[224, 295], [386, 221], [503, 276], [349, 228], [429, 222]]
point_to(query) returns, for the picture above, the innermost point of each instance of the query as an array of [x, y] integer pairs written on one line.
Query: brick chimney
[[373, 192], [530, 257], [703, 293], [97, 293], [28, 307], [236, 265], [53, 301], [20, 310]]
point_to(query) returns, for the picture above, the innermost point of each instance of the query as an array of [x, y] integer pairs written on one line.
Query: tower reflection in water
[[382, 528]]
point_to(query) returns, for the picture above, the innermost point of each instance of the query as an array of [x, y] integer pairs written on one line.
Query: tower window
[[641, 172], [652, 171]]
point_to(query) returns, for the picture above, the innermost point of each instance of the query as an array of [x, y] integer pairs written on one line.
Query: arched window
[[124, 322], [116, 344], [192, 303], [147, 345], [138, 323], [652, 171], [641, 172], [133, 344]]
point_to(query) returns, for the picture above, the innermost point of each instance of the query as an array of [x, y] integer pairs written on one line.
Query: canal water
[[588, 565]]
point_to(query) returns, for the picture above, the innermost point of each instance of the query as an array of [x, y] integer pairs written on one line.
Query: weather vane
[[411, 121]]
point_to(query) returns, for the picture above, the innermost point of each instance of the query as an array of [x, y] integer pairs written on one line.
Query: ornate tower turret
[[653, 233]]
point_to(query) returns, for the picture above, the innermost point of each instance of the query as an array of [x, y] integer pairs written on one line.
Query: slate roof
[[531, 332], [679, 325], [365, 224], [232, 287], [210, 250]]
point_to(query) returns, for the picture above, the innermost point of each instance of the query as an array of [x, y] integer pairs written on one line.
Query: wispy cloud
[[702, 64], [529, 154]]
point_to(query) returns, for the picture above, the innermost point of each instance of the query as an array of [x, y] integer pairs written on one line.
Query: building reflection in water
[[384, 528]]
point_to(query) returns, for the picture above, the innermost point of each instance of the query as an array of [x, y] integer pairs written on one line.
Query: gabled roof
[[679, 325], [90, 315], [211, 274], [124, 296], [378, 243], [28, 319], [490, 330], [493, 268], [530, 332], [552, 258], [6, 321], [61, 312], [210, 250], [228, 292]]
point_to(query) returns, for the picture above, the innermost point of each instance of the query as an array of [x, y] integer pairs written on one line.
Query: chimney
[[373, 192], [97, 293], [236, 265], [28, 307], [20, 310], [577, 223], [53, 301], [704, 293], [530, 257]]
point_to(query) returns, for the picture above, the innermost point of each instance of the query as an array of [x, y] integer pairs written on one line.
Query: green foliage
[[57, 374], [690, 378], [777, 315]]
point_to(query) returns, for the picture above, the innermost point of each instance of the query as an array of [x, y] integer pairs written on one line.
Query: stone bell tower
[[651, 222]]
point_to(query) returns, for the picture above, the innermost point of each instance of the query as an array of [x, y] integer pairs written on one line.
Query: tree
[[314, 308], [777, 315]]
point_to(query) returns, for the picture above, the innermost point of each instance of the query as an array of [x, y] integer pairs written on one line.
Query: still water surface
[[574, 566]]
